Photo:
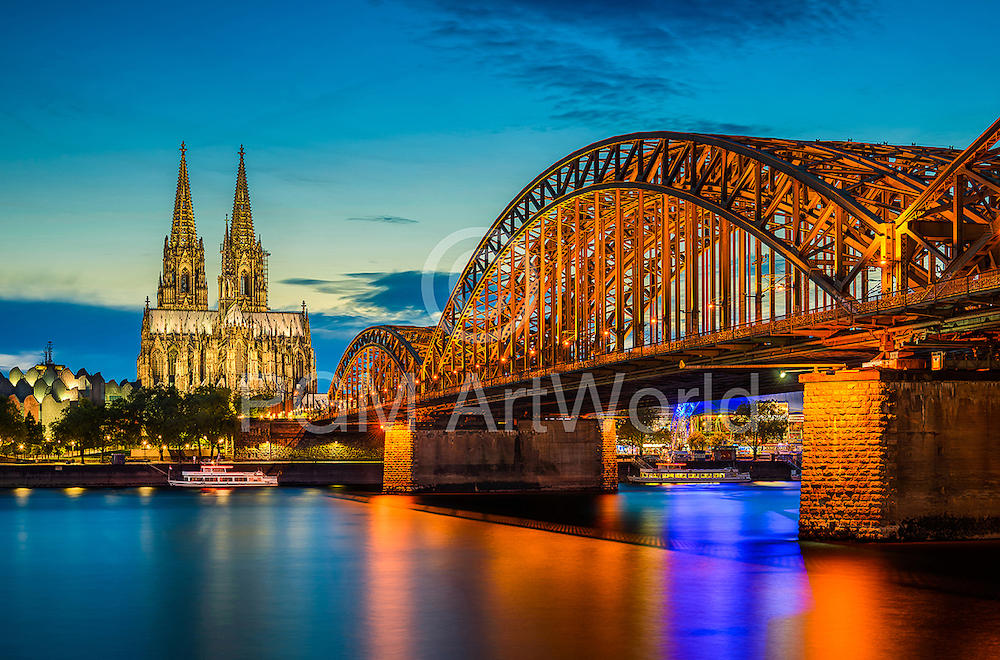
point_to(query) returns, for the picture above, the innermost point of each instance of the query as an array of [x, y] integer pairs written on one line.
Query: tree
[[759, 422], [209, 415], [650, 430], [11, 423], [697, 441], [219, 415], [163, 416], [34, 436], [82, 425], [123, 421]]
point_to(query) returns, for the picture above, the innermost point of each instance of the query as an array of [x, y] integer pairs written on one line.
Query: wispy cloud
[[387, 219], [603, 64], [22, 360], [383, 297]]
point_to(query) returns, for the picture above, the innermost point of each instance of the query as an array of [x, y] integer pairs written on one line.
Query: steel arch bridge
[[651, 239]]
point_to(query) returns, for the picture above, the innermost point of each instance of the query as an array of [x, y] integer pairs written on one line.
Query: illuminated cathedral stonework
[[242, 345]]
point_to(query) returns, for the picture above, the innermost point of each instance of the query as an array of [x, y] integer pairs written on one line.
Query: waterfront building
[[45, 390], [243, 344]]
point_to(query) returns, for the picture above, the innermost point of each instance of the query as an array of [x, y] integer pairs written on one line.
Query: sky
[[383, 138]]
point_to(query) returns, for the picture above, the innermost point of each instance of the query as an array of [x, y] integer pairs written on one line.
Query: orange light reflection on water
[[390, 602], [469, 585], [526, 589], [868, 603]]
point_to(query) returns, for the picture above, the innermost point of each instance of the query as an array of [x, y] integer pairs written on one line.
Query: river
[[688, 571]]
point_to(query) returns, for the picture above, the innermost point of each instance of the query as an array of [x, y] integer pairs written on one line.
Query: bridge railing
[[960, 287]]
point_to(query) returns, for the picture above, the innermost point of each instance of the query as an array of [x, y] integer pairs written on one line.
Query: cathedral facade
[[242, 345]]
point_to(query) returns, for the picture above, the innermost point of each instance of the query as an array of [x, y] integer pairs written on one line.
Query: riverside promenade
[[319, 473]]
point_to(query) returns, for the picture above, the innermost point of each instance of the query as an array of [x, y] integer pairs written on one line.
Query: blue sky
[[375, 130]]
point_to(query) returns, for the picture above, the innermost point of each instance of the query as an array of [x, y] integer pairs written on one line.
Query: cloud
[[387, 219], [22, 360], [103, 287], [405, 290], [343, 327], [384, 297], [304, 281], [617, 66], [359, 300], [94, 337]]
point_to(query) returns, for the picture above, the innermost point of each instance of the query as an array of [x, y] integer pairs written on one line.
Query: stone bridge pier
[[521, 459], [898, 455]]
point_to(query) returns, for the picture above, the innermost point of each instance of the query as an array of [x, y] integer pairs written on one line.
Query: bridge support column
[[609, 455], [397, 461], [521, 459], [900, 455]]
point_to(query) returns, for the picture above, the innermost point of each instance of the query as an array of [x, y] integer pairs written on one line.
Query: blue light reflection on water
[[301, 573], [737, 564]]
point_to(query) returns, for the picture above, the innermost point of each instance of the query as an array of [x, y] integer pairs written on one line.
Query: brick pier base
[[522, 459], [900, 455], [397, 463]]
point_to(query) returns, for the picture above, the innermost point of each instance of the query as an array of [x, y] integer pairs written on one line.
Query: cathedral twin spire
[[242, 217], [244, 261], [182, 282], [183, 230]]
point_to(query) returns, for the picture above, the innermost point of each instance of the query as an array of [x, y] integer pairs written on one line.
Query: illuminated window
[[172, 366], [156, 365]]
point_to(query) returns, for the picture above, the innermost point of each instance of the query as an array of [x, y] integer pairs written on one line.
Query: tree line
[[159, 417]]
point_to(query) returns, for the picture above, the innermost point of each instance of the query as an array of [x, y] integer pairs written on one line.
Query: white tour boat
[[682, 475], [215, 475]]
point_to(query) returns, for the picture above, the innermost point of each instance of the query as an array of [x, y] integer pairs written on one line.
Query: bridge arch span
[[380, 361], [649, 238], [749, 208]]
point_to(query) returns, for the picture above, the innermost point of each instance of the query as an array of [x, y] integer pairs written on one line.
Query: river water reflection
[[695, 571]]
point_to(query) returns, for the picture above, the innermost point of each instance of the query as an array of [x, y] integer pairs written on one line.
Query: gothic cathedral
[[243, 345]]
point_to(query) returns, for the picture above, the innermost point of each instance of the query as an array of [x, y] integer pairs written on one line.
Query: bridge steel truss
[[380, 363], [652, 238]]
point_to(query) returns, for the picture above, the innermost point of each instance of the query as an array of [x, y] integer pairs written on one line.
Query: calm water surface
[[695, 571]]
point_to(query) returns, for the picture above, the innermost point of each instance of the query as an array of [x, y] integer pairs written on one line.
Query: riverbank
[[325, 473], [366, 474], [759, 470]]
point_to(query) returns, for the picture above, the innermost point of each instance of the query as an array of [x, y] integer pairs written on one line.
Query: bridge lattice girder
[[381, 360], [652, 237]]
